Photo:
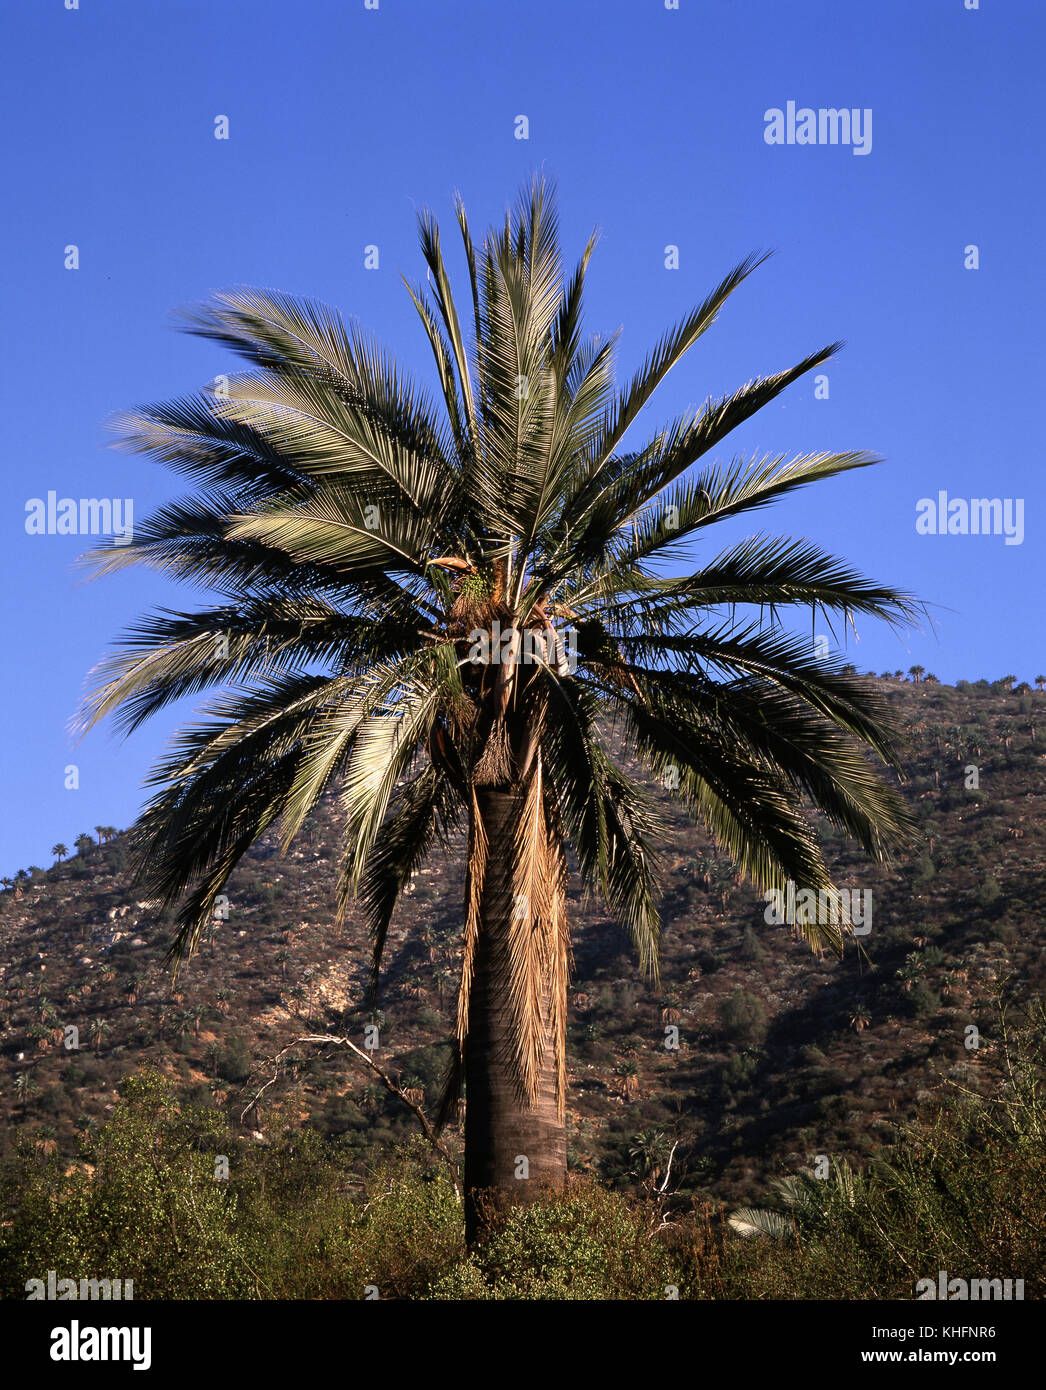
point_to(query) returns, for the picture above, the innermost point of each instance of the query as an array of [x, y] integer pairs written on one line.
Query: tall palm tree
[[441, 610], [59, 851], [98, 1031], [25, 1087]]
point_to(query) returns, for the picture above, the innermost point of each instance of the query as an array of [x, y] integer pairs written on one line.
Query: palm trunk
[[515, 1151]]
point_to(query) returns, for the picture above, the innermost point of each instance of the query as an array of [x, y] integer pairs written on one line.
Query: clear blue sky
[[342, 121]]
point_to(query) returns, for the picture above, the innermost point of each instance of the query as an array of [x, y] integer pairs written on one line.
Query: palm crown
[[428, 605]]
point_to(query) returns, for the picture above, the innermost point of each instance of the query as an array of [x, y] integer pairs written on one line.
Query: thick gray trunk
[[513, 1151]]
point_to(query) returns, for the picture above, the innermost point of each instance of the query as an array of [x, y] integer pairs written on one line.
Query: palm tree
[[59, 851], [444, 981], [25, 1087], [443, 613], [916, 673], [629, 1079], [97, 1032], [1040, 682], [83, 844], [650, 1148]]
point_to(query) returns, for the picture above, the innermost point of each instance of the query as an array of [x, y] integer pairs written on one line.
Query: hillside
[[781, 1056]]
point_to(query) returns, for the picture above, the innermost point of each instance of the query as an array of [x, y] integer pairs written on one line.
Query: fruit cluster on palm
[[439, 609]]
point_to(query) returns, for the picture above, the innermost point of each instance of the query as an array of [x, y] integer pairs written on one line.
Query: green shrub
[[234, 1060], [588, 1244], [742, 1019], [151, 1211]]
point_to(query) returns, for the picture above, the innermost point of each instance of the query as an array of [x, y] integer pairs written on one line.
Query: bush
[[234, 1060], [751, 947], [586, 1244], [737, 1071], [151, 1212], [922, 1000], [742, 1019]]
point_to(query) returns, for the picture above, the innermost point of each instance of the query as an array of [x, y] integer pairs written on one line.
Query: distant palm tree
[[916, 672], [912, 970], [444, 982], [25, 1087], [650, 1148], [83, 844], [59, 851], [950, 983], [1008, 681], [1040, 682], [97, 1032], [444, 613], [629, 1079]]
